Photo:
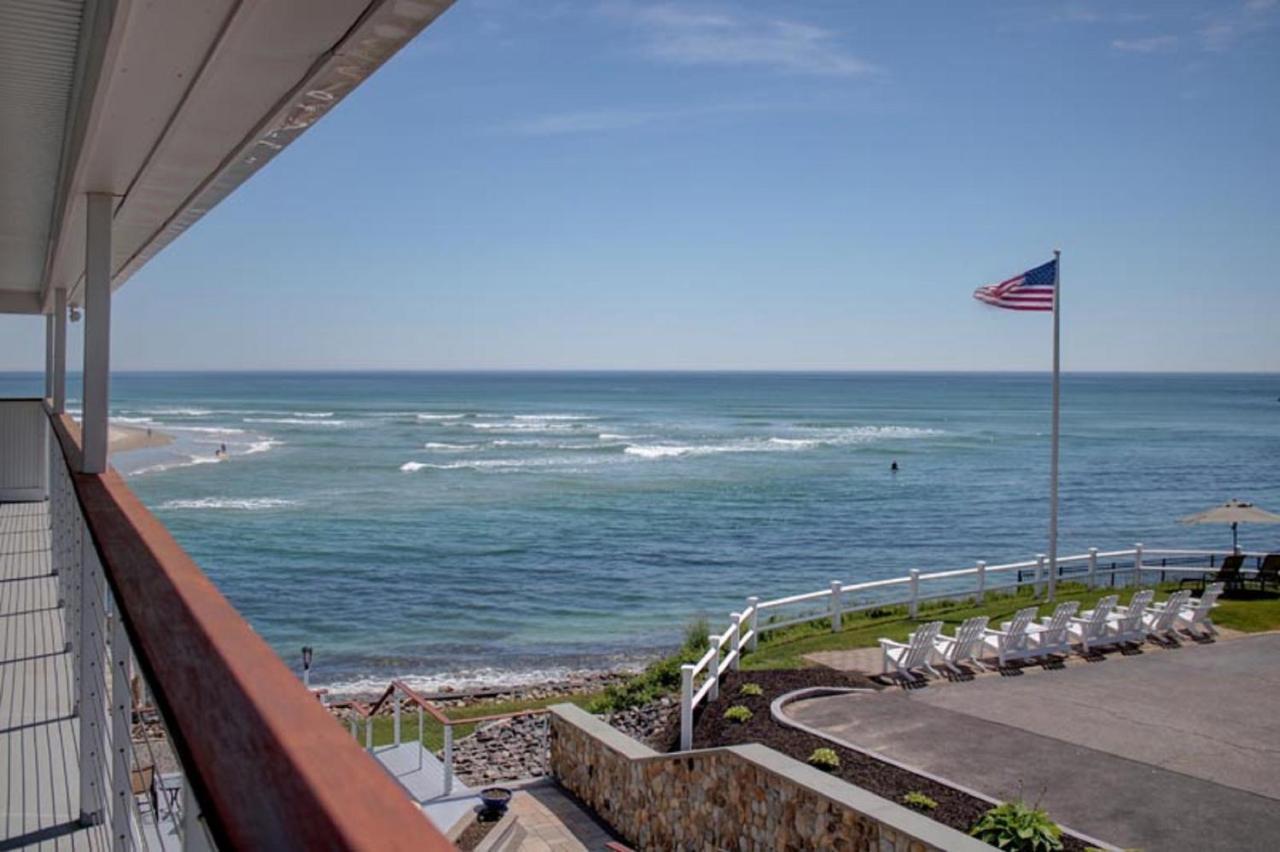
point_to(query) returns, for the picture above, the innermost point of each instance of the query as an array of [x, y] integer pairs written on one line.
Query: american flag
[[1031, 291]]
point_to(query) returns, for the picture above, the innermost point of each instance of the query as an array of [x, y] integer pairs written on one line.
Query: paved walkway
[[1174, 749], [555, 822]]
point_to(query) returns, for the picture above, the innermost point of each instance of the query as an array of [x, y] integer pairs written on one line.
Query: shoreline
[[568, 685], [123, 439]]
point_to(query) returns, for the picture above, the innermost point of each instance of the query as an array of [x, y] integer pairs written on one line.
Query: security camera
[[75, 314]]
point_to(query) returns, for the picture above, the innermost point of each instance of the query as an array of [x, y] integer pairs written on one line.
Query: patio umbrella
[[1233, 512]]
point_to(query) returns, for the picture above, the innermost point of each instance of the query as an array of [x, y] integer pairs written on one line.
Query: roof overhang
[[167, 107]]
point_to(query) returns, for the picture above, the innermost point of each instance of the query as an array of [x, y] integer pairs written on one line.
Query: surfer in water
[[893, 466]]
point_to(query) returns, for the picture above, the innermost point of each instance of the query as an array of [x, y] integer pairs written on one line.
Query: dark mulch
[[477, 831], [955, 808]]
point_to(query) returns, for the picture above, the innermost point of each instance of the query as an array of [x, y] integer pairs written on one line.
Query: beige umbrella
[[1233, 512]]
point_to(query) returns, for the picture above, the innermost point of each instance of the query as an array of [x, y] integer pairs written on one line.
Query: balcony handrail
[[264, 759]]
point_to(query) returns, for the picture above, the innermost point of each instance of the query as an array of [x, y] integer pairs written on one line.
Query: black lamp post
[[306, 666]]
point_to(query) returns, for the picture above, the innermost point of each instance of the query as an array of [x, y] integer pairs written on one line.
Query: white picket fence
[[700, 681]]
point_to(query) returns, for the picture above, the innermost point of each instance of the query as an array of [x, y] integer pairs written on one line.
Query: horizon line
[[641, 371]]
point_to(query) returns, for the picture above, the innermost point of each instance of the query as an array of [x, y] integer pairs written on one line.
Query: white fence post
[[1039, 573], [1093, 567], [735, 639], [686, 707], [753, 604], [368, 733], [982, 581], [1137, 564], [396, 724], [713, 668], [836, 586], [913, 605], [448, 759]]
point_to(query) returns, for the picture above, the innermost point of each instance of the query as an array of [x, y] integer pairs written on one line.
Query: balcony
[[138, 710]]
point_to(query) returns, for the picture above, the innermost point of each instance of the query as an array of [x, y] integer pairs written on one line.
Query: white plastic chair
[[1195, 616], [904, 657], [1124, 625], [1160, 618], [1052, 635], [965, 646], [1012, 641], [1090, 627]]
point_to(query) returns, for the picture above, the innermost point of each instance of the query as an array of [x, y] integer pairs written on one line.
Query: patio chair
[[1268, 572], [1090, 627], [1051, 635], [142, 781], [1012, 641], [1159, 619], [1124, 625], [965, 646], [915, 654], [1228, 574], [1195, 616]]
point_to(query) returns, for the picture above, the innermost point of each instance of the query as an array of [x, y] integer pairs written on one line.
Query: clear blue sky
[[753, 185]]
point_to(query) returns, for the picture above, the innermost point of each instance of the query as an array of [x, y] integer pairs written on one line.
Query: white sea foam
[[132, 420], [480, 678], [205, 430], [613, 436], [296, 421], [187, 461], [478, 464], [178, 412], [452, 448], [262, 446], [312, 413], [528, 426], [411, 467], [795, 443], [542, 417], [437, 416], [246, 504], [661, 451]]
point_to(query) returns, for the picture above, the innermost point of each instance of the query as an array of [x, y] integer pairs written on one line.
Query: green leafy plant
[[750, 689], [1018, 827], [919, 801], [825, 759], [738, 713]]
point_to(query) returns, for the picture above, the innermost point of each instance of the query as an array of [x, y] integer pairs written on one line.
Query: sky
[[615, 184]]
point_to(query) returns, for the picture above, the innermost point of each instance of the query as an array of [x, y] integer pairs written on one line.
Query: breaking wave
[[246, 504]]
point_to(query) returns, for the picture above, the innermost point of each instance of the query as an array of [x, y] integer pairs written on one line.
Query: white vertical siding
[[24, 461]]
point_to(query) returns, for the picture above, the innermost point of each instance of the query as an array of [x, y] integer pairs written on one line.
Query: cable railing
[[700, 680], [191, 733]]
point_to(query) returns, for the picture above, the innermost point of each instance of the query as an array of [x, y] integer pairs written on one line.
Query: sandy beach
[[122, 439]]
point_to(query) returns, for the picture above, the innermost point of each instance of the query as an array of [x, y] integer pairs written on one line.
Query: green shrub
[[738, 713], [919, 801], [825, 759], [750, 689], [659, 678], [1018, 827]]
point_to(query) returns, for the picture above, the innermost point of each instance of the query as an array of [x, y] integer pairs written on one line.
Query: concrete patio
[[1166, 749]]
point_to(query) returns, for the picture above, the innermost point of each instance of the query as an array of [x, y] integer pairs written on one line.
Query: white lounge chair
[[1195, 616], [1051, 636], [1090, 627], [965, 646], [1012, 641], [915, 654], [1124, 625], [1160, 618]]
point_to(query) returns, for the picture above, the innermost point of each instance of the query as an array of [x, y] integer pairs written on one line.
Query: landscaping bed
[[955, 808]]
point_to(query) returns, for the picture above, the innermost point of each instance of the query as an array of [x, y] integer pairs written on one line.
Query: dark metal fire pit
[[494, 801]]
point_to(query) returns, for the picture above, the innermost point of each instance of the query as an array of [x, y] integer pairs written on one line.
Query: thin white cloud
[[1149, 44], [605, 120], [1222, 32], [681, 35]]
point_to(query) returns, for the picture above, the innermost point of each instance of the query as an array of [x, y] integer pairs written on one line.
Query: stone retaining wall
[[741, 797]]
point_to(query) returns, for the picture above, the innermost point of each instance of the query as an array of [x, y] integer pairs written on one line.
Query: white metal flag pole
[[1053, 458]]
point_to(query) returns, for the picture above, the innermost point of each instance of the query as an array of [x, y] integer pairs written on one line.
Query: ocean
[[464, 528]]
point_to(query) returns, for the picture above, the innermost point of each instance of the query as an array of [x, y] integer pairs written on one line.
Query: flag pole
[[1053, 458]]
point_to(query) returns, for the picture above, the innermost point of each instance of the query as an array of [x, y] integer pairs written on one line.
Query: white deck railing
[[700, 681]]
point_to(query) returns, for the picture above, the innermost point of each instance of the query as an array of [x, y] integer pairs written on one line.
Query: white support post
[[448, 759], [396, 724], [753, 604], [1137, 564], [735, 639], [121, 720], [836, 608], [368, 733], [91, 699], [686, 706], [59, 351], [97, 332], [48, 357], [421, 747], [1040, 557], [913, 607], [195, 837], [1093, 567], [982, 581], [713, 667]]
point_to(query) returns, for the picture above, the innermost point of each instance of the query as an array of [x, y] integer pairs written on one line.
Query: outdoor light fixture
[[75, 314], [306, 666]]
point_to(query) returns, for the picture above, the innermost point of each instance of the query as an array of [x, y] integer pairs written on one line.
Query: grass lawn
[[433, 731], [786, 648]]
